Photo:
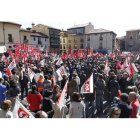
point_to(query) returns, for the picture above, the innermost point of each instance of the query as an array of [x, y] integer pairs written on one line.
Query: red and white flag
[[62, 101], [59, 61], [87, 87], [60, 72], [131, 69], [20, 111]]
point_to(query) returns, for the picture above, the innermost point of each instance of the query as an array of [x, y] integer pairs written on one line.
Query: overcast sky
[[114, 15]]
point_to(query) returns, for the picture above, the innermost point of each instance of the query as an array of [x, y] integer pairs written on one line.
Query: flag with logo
[[20, 111], [87, 87], [60, 72], [12, 65]]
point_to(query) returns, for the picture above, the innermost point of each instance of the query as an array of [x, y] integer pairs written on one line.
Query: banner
[[20, 111], [87, 87]]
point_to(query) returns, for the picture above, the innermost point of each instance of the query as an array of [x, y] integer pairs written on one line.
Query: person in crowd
[[47, 105], [41, 114], [100, 86], [24, 81], [114, 112], [124, 106], [40, 84], [3, 90], [72, 86], [15, 77], [59, 111], [63, 81], [5, 109], [47, 83], [34, 99], [134, 104], [56, 91], [13, 93], [6, 81], [113, 88], [77, 107]]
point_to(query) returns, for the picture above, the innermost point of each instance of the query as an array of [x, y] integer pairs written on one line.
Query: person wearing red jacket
[[34, 99], [134, 104]]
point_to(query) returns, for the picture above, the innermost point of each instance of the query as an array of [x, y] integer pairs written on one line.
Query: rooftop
[[47, 26], [133, 30], [34, 33], [8, 22], [79, 26], [96, 31]]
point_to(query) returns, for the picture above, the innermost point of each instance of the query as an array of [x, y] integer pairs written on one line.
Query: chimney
[[33, 24]]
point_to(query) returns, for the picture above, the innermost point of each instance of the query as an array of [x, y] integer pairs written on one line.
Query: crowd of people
[[115, 95]]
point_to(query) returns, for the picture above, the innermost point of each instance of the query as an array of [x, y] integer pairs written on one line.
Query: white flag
[[59, 61], [87, 87], [20, 111], [12, 65], [61, 71]]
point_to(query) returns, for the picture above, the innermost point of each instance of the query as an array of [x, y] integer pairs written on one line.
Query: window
[[88, 38], [45, 39], [101, 38], [82, 46], [10, 37], [25, 38], [101, 46], [131, 37], [64, 47], [63, 40], [34, 39], [82, 40]]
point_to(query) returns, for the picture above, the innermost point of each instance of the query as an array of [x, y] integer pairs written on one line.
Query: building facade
[[132, 40], [101, 40], [76, 35], [9, 34], [36, 39], [63, 41], [52, 33]]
